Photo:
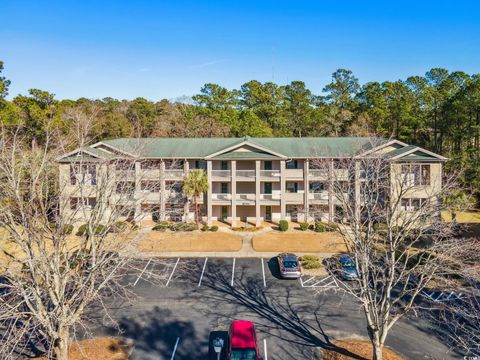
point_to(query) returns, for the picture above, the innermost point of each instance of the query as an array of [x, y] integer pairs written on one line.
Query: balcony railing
[[294, 173], [246, 174], [221, 197], [323, 195], [245, 197], [270, 174], [269, 197], [294, 197], [318, 173], [173, 174], [224, 174]]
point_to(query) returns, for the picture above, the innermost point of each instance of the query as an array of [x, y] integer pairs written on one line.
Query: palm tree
[[194, 184]]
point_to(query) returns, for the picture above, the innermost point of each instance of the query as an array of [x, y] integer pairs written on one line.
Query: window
[[267, 165], [292, 187], [224, 165], [83, 174], [317, 187], [292, 164], [78, 203], [415, 174], [411, 204], [224, 189], [150, 186]]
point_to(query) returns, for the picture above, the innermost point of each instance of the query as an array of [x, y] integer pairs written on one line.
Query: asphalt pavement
[[182, 304]]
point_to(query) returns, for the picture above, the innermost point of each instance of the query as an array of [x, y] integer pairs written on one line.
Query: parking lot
[[182, 304]]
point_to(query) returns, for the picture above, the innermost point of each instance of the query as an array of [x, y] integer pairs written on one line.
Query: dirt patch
[[356, 349], [194, 241], [299, 241], [106, 348]]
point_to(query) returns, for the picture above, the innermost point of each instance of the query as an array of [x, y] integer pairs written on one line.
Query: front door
[[268, 213], [268, 188], [224, 213]]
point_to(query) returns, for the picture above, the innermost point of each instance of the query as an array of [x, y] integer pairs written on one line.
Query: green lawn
[[463, 217]]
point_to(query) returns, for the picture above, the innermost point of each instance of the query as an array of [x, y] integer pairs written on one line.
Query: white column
[[186, 206], [233, 166], [283, 189], [331, 208], [209, 193], [357, 191], [257, 193], [306, 189], [163, 193]]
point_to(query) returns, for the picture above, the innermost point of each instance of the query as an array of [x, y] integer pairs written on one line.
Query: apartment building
[[250, 179]]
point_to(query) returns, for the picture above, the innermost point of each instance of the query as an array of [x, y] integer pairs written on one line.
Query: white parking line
[[265, 349], [263, 272], [175, 349], [170, 277], [233, 272], [139, 276], [203, 271]]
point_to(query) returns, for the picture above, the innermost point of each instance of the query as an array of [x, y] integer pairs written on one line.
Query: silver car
[[289, 266]]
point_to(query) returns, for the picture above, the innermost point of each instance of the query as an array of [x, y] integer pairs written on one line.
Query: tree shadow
[[280, 313]]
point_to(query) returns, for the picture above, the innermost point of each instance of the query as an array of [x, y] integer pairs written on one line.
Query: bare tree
[[389, 215], [50, 277]]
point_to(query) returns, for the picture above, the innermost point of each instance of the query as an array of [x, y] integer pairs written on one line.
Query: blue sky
[[166, 49]]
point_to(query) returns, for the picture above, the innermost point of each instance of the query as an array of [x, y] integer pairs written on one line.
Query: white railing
[[246, 173], [294, 173], [318, 173], [269, 196], [298, 197], [270, 173], [323, 195], [173, 174], [221, 173], [245, 197], [222, 197]]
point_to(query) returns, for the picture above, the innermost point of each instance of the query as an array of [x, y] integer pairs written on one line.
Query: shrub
[[204, 227], [283, 225], [82, 230], [100, 229], [332, 227], [312, 265], [190, 227], [380, 227], [304, 226], [214, 228], [243, 228], [118, 227], [319, 226], [160, 226], [308, 258], [67, 229], [135, 227]]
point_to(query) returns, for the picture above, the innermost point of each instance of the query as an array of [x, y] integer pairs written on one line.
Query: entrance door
[[268, 213], [268, 188], [224, 213]]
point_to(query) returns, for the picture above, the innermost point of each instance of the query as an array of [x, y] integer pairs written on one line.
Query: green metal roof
[[260, 148], [202, 147]]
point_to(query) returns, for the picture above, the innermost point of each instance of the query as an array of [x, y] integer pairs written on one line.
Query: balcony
[[221, 175], [294, 174], [318, 174], [270, 175], [221, 198], [125, 174], [318, 197], [245, 199], [174, 174], [294, 198], [245, 175], [270, 199]]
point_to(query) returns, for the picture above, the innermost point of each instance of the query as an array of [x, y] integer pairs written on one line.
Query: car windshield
[[290, 264], [347, 263], [244, 354]]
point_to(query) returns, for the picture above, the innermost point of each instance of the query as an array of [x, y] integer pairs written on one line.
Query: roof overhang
[[246, 143]]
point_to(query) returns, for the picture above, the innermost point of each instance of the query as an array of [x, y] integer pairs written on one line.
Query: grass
[[362, 350], [195, 241], [102, 348], [463, 217], [274, 241]]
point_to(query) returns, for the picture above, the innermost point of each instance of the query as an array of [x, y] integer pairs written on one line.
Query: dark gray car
[[289, 266]]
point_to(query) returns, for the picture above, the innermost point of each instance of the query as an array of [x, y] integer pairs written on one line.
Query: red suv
[[243, 341]]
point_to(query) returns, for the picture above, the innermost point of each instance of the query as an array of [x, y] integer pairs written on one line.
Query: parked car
[[289, 266], [243, 343], [344, 266]]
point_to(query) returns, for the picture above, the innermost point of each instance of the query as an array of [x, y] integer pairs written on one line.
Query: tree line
[[439, 111]]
